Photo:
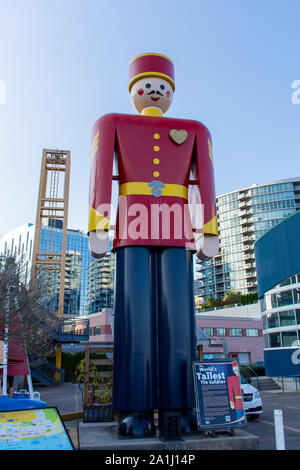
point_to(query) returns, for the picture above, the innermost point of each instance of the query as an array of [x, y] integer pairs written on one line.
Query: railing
[[282, 382], [255, 374], [66, 331], [198, 310], [46, 372], [247, 377]]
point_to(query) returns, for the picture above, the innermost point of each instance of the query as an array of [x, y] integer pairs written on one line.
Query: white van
[[251, 399]]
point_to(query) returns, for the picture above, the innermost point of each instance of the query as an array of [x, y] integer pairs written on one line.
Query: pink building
[[100, 326], [235, 332]]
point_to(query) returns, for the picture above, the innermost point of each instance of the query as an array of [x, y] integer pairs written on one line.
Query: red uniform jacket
[[155, 157], [235, 393]]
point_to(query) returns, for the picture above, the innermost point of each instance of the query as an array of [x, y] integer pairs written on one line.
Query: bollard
[[279, 430]]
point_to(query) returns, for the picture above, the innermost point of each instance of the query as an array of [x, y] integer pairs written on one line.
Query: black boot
[[136, 424]]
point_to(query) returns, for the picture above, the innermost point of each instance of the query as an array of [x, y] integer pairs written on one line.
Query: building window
[[251, 332], [273, 301], [287, 318], [272, 320], [274, 339], [297, 296], [97, 330], [221, 331], [285, 298], [208, 331], [266, 341], [235, 331], [289, 338]]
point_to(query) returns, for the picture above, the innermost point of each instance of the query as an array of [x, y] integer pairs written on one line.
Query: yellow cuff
[[211, 227], [97, 221]]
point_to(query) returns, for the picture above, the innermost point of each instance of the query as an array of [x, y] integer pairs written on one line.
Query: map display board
[[35, 429], [219, 398]]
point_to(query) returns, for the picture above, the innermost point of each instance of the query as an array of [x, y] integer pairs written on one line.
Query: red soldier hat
[[151, 65]]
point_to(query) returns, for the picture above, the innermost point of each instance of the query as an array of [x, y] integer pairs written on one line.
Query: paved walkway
[[67, 398]]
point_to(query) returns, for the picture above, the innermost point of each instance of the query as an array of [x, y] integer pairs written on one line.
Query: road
[[289, 403]]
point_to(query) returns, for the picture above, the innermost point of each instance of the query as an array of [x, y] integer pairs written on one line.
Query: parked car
[[251, 399]]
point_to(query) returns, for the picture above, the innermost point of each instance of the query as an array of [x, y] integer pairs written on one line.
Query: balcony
[[248, 247], [250, 228], [247, 220], [243, 196], [251, 284], [220, 289], [69, 332], [219, 271], [251, 275]]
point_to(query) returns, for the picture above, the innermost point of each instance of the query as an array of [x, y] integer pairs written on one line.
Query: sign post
[[218, 394]]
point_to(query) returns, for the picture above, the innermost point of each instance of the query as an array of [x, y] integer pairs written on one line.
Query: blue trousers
[[154, 329]]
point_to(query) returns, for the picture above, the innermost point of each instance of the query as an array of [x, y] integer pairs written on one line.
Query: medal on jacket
[[178, 136]]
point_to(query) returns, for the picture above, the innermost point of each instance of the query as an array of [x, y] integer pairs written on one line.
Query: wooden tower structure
[[52, 212]]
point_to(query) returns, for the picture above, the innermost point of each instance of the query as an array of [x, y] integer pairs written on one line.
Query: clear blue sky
[[65, 63]]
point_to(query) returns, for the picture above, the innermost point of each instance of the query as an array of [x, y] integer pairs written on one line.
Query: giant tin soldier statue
[[166, 213]]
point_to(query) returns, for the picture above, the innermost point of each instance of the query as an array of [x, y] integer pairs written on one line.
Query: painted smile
[[155, 99]]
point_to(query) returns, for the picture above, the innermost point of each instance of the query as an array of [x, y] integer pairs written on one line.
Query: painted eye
[[148, 85], [162, 87]]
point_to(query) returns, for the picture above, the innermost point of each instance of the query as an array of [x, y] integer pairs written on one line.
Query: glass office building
[[278, 276], [281, 314], [243, 217], [80, 269]]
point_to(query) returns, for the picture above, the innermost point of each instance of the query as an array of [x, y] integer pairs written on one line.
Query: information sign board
[[218, 393], [35, 429]]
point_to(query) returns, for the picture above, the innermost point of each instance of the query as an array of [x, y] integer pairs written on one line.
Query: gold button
[[156, 174], [156, 161], [156, 148], [156, 136]]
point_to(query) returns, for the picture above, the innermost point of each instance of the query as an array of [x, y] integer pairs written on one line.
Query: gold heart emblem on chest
[[178, 136]]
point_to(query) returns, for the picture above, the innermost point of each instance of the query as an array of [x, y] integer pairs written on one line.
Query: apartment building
[[243, 217]]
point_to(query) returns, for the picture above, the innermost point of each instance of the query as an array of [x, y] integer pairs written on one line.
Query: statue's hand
[[98, 243], [207, 245]]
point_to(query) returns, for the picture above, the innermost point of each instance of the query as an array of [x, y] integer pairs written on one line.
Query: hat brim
[[151, 74]]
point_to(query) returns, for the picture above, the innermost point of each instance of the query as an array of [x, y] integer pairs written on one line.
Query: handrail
[[254, 373], [48, 370]]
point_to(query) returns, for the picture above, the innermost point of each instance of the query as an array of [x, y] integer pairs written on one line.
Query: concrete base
[[103, 436]]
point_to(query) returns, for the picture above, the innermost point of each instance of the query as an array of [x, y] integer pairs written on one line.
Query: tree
[[24, 309], [232, 297], [210, 302]]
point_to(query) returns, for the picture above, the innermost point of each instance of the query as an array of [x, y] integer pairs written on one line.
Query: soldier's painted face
[[151, 92]]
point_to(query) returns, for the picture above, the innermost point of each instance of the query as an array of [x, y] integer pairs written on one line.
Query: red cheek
[[141, 91], [168, 94]]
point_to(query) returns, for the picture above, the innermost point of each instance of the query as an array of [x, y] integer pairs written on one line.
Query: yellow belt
[[175, 190]]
